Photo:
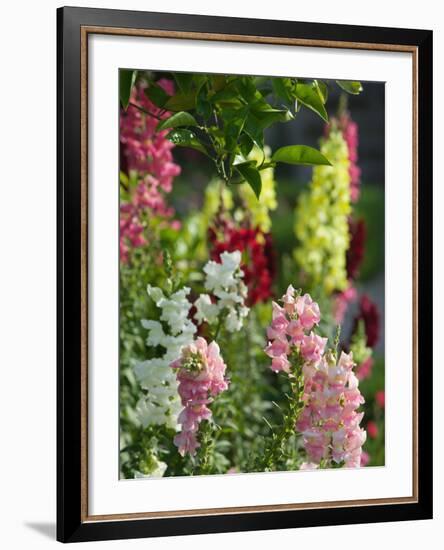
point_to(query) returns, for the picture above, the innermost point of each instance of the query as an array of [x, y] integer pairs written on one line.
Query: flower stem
[[206, 449], [275, 450]]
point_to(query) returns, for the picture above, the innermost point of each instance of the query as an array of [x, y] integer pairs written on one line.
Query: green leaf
[[124, 179], [218, 81], [203, 106], [181, 118], [184, 81], [127, 78], [245, 144], [322, 89], [350, 86], [227, 96], [251, 175], [186, 138], [247, 88], [300, 154], [268, 117], [282, 88], [234, 120], [181, 102], [254, 131], [310, 98], [156, 94], [240, 159]]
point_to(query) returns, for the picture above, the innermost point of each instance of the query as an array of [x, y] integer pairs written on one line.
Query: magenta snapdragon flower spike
[[350, 132], [200, 371], [149, 153]]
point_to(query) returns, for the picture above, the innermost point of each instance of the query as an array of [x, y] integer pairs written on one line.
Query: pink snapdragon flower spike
[[329, 398], [200, 371]]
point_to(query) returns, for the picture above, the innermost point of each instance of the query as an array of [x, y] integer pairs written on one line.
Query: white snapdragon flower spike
[[157, 471], [224, 280], [161, 403]]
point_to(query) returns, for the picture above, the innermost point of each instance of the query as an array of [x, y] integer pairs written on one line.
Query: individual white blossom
[[225, 274], [224, 280], [175, 309], [206, 310], [234, 320]]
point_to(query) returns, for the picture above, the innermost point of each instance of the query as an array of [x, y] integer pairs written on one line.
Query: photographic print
[[251, 274], [244, 274]]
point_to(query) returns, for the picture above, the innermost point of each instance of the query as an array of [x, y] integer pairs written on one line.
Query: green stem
[[276, 448], [219, 325], [206, 449], [144, 111]]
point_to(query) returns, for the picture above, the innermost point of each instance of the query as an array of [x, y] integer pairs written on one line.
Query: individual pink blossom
[[278, 327], [289, 301], [200, 371], [316, 443], [277, 348], [186, 442], [308, 311], [312, 347], [365, 458], [296, 332], [280, 364]]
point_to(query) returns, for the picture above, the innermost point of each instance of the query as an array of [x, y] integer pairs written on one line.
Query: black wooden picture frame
[[73, 523]]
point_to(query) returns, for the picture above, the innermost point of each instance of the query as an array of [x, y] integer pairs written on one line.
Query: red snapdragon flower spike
[[372, 429], [355, 252], [368, 312], [380, 398], [364, 370], [257, 257]]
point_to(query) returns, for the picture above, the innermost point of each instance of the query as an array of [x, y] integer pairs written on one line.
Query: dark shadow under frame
[[73, 26]]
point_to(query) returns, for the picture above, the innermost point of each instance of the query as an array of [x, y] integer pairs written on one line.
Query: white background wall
[[27, 270]]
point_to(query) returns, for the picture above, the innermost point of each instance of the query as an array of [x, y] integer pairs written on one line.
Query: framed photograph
[[244, 274]]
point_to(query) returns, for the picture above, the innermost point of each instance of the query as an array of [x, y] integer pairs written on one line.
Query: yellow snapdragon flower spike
[[321, 225], [212, 199]]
